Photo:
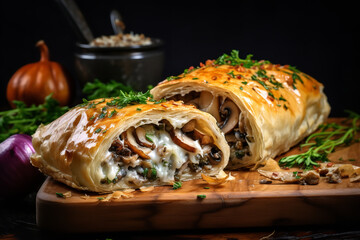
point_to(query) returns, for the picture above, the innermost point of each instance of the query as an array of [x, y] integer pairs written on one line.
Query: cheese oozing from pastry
[[158, 153]]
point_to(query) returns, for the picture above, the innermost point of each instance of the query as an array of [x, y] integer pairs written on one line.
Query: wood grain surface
[[242, 202]]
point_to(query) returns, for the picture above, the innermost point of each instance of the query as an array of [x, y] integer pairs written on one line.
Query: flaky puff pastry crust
[[71, 148], [273, 121]]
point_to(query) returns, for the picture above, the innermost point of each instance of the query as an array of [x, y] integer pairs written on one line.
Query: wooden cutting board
[[242, 202]]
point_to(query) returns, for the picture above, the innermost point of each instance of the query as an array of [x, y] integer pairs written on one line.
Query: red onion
[[17, 176]]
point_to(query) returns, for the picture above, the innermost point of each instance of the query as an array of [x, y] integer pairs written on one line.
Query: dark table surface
[[18, 221]]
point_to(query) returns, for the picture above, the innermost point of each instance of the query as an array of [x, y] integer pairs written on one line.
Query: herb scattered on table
[[24, 119], [201, 196], [60, 195], [177, 185], [323, 142]]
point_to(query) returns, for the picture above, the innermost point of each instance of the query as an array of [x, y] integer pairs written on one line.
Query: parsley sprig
[[130, 98], [26, 119], [323, 142], [233, 59]]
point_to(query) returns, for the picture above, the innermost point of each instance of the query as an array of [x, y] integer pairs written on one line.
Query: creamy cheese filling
[[166, 160]]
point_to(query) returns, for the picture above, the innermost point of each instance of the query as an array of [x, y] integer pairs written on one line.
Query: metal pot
[[135, 66]]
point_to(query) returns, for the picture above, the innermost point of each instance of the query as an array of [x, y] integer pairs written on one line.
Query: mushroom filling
[[159, 152], [228, 117]]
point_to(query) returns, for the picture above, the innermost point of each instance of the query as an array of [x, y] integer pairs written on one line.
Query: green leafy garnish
[[147, 137], [24, 119], [60, 195], [98, 89], [201, 196], [295, 174], [177, 185], [233, 59], [150, 173], [130, 98], [322, 143]]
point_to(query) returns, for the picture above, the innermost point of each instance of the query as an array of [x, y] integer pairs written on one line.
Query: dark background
[[318, 37]]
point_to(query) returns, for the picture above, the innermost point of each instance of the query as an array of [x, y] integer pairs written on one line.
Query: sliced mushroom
[[140, 137], [181, 169], [210, 104], [215, 156], [119, 149], [204, 139], [205, 99], [190, 126], [130, 141], [230, 138], [179, 138], [194, 102], [232, 116]]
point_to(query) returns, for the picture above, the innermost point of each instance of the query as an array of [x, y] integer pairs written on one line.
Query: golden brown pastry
[[262, 108], [104, 146]]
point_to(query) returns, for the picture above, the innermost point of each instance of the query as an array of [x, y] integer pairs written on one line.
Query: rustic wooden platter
[[242, 202]]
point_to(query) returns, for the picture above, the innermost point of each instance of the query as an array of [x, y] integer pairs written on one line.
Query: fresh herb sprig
[[233, 59], [130, 98], [98, 89], [24, 119], [323, 142], [177, 185]]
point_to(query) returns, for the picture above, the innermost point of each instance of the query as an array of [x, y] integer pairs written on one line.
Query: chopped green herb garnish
[[275, 83], [295, 174], [98, 130], [244, 82], [241, 88], [172, 78], [112, 113], [271, 95], [102, 115], [262, 73], [145, 173], [195, 78], [231, 74], [201, 196], [138, 109], [153, 173], [254, 77], [351, 159], [147, 136], [100, 198], [177, 185], [60, 195], [296, 77], [281, 98], [286, 107], [294, 69], [206, 187]]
